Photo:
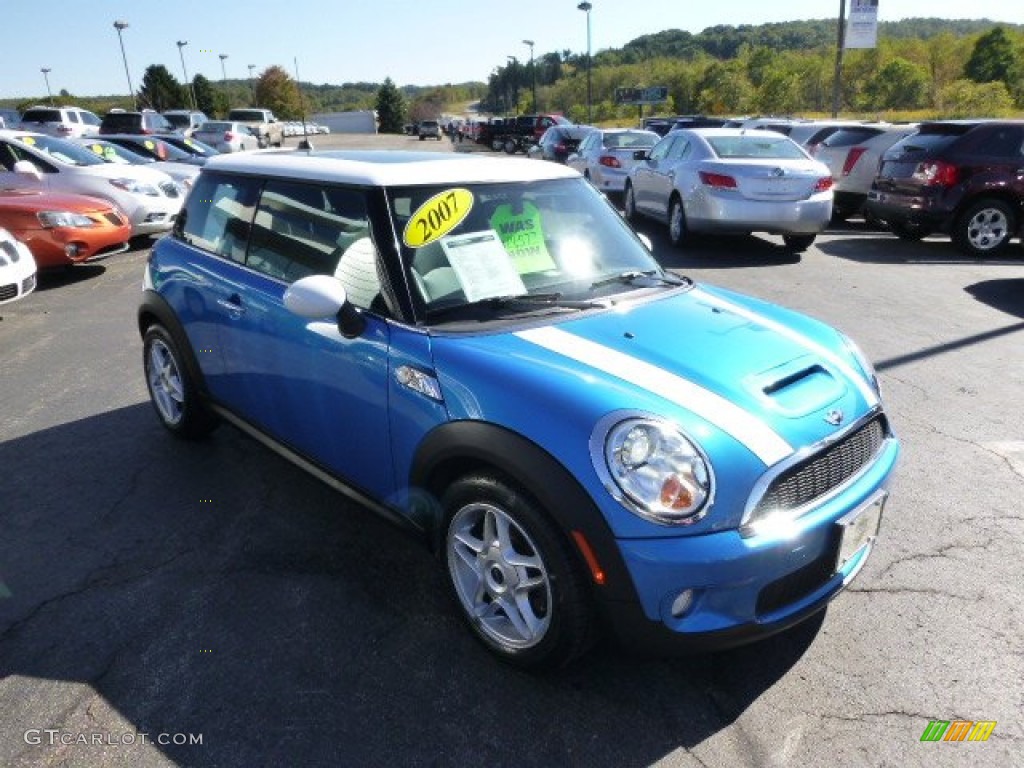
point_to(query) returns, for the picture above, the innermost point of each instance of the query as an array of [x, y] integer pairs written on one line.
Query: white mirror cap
[[315, 297], [646, 241], [28, 168]]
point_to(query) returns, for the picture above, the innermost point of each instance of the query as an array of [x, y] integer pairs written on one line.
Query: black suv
[[961, 177], [144, 122]]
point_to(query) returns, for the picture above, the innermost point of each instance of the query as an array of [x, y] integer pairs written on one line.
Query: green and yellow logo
[[958, 730]]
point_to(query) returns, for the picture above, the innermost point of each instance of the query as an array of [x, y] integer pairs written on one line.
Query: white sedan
[[149, 197], [605, 156], [17, 268]]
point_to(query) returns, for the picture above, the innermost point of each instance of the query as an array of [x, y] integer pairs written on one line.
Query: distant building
[[360, 121]]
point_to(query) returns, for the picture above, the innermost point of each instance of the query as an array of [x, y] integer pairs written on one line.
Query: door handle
[[232, 304]]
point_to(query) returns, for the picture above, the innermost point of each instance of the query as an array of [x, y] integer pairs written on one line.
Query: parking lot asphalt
[[213, 591]]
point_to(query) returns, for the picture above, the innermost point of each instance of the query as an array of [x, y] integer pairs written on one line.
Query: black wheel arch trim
[[155, 309], [460, 447]]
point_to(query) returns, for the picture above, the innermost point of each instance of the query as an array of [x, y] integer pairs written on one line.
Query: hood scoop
[[799, 387]]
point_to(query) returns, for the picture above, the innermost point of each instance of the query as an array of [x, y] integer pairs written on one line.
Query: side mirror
[[641, 154], [28, 168], [319, 296]]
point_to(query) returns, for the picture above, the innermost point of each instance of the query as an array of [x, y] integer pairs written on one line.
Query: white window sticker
[[482, 265]]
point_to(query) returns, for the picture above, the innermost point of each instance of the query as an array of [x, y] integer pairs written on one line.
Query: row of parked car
[[962, 178]]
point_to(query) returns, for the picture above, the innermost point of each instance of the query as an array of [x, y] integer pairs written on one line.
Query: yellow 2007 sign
[[437, 217]]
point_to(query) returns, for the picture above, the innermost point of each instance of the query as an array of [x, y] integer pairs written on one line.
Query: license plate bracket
[[859, 528]]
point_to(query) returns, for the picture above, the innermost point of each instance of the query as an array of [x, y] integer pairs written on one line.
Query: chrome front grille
[[820, 474], [8, 291]]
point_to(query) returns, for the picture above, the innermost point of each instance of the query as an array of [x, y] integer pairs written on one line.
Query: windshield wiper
[[521, 301], [631, 276]]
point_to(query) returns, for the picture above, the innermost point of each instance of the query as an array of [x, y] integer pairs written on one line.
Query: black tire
[[910, 233], [985, 228], [171, 389], [511, 147], [629, 204], [422, 138], [551, 621], [677, 229], [798, 243]]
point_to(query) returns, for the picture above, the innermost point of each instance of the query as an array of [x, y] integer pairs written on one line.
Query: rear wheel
[[798, 243], [985, 228], [513, 576], [677, 230]]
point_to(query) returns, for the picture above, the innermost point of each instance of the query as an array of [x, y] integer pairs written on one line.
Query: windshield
[[557, 239], [114, 153], [60, 150]]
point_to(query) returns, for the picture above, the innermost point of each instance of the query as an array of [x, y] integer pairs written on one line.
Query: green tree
[[160, 89], [276, 91], [966, 98], [390, 107], [898, 85], [993, 58], [206, 97]]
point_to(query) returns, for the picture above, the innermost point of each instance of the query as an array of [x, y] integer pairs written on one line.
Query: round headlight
[[661, 473]]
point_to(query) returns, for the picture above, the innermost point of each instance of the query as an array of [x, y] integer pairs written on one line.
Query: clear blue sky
[[415, 42]]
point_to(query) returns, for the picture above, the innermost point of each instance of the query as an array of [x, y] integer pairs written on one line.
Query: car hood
[[119, 171], [37, 200], [707, 358]]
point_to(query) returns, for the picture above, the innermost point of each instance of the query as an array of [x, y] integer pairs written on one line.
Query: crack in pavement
[[941, 553]]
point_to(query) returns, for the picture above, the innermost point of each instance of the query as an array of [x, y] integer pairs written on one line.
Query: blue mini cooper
[[482, 350]]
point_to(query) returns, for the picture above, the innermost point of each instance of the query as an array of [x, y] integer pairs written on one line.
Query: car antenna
[[305, 143]]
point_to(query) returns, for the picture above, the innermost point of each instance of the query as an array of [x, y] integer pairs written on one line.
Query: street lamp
[[191, 90], [223, 72], [252, 85], [121, 25], [533, 72], [585, 7], [515, 81], [46, 76]]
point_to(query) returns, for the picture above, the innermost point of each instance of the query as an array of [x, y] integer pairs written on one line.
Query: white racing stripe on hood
[[866, 390], [764, 442]]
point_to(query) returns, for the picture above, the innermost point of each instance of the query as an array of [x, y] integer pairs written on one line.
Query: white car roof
[[387, 167]]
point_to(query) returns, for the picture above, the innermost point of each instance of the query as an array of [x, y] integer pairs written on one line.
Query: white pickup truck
[[263, 124]]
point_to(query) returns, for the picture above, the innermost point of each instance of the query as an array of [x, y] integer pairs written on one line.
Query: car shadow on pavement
[[156, 586], [62, 276], [716, 251], [1005, 295], [885, 248]]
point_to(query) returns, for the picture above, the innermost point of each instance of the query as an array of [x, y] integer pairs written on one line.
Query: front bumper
[[744, 588]]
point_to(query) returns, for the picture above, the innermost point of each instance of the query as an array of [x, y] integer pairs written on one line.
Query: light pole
[[533, 72], [252, 85], [46, 76], [585, 7], [512, 61], [188, 83], [119, 26], [223, 72]]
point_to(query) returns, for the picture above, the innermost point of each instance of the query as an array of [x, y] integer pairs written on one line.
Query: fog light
[[71, 250], [682, 603]]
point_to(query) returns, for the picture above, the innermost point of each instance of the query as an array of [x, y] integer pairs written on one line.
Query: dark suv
[[961, 177], [144, 122]]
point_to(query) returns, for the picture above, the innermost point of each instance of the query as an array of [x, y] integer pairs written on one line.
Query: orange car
[[61, 229]]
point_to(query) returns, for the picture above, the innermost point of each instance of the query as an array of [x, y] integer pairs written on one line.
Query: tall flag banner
[[862, 26]]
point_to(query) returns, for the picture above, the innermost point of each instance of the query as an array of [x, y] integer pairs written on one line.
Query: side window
[[679, 150], [303, 229], [218, 215], [662, 148]]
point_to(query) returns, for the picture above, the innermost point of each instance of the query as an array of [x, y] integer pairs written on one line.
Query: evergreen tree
[[206, 97], [993, 58], [390, 108], [160, 89]]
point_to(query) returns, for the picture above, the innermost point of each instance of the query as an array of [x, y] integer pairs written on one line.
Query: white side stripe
[[764, 442], [869, 395]]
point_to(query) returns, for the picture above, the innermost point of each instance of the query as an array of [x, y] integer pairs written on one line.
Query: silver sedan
[[606, 155], [731, 180]]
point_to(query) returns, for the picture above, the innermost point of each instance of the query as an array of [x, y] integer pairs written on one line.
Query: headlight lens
[[49, 219], [659, 470], [138, 187], [864, 363]]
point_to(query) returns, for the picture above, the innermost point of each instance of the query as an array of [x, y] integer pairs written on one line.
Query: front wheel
[[798, 243], [171, 390], [513, 576], [985, 228], [676, 222], [629, 203]]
